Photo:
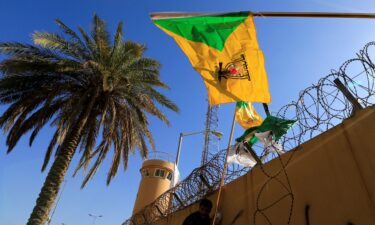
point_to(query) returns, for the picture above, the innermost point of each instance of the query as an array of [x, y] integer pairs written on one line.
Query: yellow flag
[[224, 50], [246, 115]]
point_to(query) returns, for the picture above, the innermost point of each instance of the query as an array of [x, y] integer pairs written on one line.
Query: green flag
[[278, 126]]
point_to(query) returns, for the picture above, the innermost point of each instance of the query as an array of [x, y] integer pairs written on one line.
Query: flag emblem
[[224, 50]]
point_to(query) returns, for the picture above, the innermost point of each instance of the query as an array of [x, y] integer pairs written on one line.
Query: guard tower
[[157, 175]]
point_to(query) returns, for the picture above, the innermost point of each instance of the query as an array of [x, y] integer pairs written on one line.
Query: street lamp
[[216, 133], [94, 218]]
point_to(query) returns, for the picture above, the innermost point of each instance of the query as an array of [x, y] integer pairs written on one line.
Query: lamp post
[[216, 133], [94, 218]]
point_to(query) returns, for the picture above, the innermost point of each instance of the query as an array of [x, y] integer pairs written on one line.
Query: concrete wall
[[328, 180]]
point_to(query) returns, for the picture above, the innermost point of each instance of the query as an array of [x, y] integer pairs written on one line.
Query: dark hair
[[206, 203]]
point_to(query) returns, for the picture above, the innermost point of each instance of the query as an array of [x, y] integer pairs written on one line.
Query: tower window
[[159, 173], [170, 175], [145, 173]]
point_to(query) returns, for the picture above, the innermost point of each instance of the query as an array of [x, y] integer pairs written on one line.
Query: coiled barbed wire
[[318, 108]]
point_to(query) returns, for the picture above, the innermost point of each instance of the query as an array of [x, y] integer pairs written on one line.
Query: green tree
[[88, 88]]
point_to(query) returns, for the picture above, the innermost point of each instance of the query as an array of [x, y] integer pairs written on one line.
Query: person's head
[[205, 207]]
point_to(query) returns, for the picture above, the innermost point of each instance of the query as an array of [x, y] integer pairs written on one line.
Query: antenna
[[210, 140]]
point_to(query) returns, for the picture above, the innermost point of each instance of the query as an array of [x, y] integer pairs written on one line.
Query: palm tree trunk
[[56, 174]]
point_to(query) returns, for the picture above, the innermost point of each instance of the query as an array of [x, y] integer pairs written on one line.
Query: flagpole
[[272, 14], [315, 14], [225, 166]]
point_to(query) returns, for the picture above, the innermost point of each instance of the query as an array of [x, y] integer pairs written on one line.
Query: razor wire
[[317, 109]]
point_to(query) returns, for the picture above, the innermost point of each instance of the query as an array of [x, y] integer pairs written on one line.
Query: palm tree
[[87, 87]]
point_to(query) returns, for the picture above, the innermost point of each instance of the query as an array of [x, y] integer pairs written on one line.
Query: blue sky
[[297, 51]]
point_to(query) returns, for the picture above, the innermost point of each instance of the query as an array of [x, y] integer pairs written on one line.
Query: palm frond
[[101, 37], [56, 42], [118, 43]]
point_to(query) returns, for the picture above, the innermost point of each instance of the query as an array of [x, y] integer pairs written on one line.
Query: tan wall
[[331, 177], [152, 187]]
